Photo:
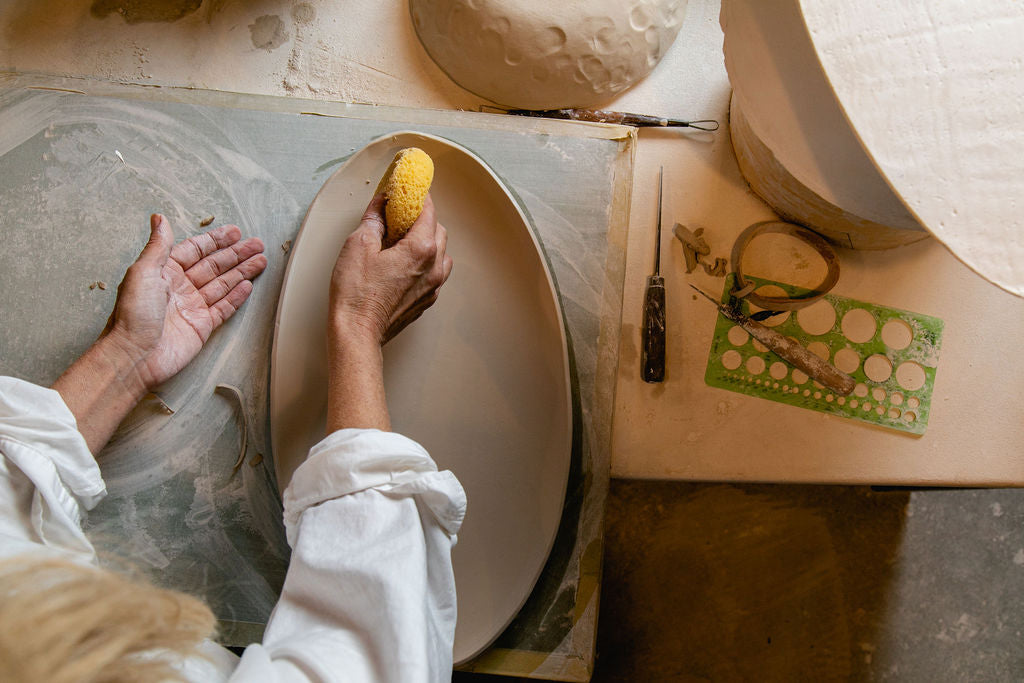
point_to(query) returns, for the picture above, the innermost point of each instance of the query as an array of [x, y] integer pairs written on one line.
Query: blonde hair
[[64, 622]]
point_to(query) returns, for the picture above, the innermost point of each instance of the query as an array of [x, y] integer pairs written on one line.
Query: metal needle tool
[[652, 332]]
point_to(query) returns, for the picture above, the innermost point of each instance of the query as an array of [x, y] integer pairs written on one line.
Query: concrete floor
[[719, 582]]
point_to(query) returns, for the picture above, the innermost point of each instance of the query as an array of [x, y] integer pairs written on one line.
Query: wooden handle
[[652, 333], [798, 356]]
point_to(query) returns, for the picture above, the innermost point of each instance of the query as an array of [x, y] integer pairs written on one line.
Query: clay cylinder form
[[794, 145], [540, 54]]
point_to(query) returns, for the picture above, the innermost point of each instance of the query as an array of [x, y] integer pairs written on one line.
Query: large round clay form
[[792, 140], [879, 127], [546, 54]]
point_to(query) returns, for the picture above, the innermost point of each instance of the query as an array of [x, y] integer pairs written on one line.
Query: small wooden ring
[[784, 303]]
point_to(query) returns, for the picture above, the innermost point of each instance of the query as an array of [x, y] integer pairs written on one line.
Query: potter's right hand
[[376, 292]]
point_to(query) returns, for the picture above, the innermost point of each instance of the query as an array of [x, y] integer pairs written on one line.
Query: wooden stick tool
[[789, 350]]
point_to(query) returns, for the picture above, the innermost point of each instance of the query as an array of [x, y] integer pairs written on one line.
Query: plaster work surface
[[81, 173], [719, 582]]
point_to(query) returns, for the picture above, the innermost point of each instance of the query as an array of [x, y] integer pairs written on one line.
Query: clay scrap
[[695, 247]]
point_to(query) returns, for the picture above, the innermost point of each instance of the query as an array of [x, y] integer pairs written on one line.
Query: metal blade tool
[[652, 331]]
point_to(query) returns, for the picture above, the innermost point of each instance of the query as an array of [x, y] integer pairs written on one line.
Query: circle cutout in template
[[819, 349], [755, 365], [909, 417], [910, 375], [860, 390], [758, 346], [913, 402], [773, 291], [894, 413], [897, 334], [847, 360], [778, 370], [732, 359], [878, 368], [896, 398], [858, 325], [738, 336], [799, 376], [818, 318], [854, 403], [878, 393]]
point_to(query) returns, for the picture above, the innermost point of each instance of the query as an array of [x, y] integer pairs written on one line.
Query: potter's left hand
[[169, 303], [175, 295]]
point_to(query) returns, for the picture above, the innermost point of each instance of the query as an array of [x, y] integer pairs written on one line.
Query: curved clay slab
[[481, 380]]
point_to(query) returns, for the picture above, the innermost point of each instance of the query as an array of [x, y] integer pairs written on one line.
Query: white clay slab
[[481, 380]]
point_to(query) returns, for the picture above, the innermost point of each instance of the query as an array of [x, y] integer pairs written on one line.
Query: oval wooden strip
[[777, 303]]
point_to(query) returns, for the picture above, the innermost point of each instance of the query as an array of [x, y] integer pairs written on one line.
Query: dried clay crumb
[[255, 462], [206, 221], [164, 408], [717, 269], [99, 284], [287, 246], [696, 248]]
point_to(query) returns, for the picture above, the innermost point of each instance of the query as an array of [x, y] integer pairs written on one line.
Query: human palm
[[175, 295]]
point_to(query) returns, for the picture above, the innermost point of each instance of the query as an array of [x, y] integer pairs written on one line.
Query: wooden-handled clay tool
[[620, 117], [789, 350], [652, 332]]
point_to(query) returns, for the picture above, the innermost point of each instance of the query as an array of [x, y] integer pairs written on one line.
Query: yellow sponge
[[405, 185]]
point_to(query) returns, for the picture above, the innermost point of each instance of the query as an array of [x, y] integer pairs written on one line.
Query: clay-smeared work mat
[[893, 355], [83, 164]]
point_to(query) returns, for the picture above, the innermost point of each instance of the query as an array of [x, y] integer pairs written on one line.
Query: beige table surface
[[681, 429]]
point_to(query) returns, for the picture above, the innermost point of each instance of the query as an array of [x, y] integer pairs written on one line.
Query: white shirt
[[369, 594]]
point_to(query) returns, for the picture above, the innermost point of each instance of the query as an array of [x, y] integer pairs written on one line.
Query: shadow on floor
[[718, 582], [721, 582]]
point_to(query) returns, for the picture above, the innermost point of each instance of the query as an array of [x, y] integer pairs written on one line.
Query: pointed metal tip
[[705, 294]]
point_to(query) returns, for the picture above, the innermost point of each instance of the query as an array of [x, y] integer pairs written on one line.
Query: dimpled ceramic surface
[[481, 380], [538, 54]]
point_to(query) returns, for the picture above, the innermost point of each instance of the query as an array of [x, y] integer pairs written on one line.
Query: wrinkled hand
[[175, 295], [376, 292]]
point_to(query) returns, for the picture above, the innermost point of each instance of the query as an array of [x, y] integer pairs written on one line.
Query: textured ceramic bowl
[[546, 54]]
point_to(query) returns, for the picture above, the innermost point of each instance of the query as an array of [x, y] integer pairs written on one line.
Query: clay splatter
[[268, 32]]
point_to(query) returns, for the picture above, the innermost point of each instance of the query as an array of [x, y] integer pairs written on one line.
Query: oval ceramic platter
[[481, 380]]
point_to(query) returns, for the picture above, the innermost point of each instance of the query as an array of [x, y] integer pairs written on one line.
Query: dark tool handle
[[652, 334]]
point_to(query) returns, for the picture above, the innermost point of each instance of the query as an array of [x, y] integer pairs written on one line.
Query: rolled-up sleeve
[[370, 593], [48, 477]]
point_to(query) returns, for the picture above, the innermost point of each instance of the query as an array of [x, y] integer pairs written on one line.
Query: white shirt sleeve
[[48, 477], [370, 593]]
